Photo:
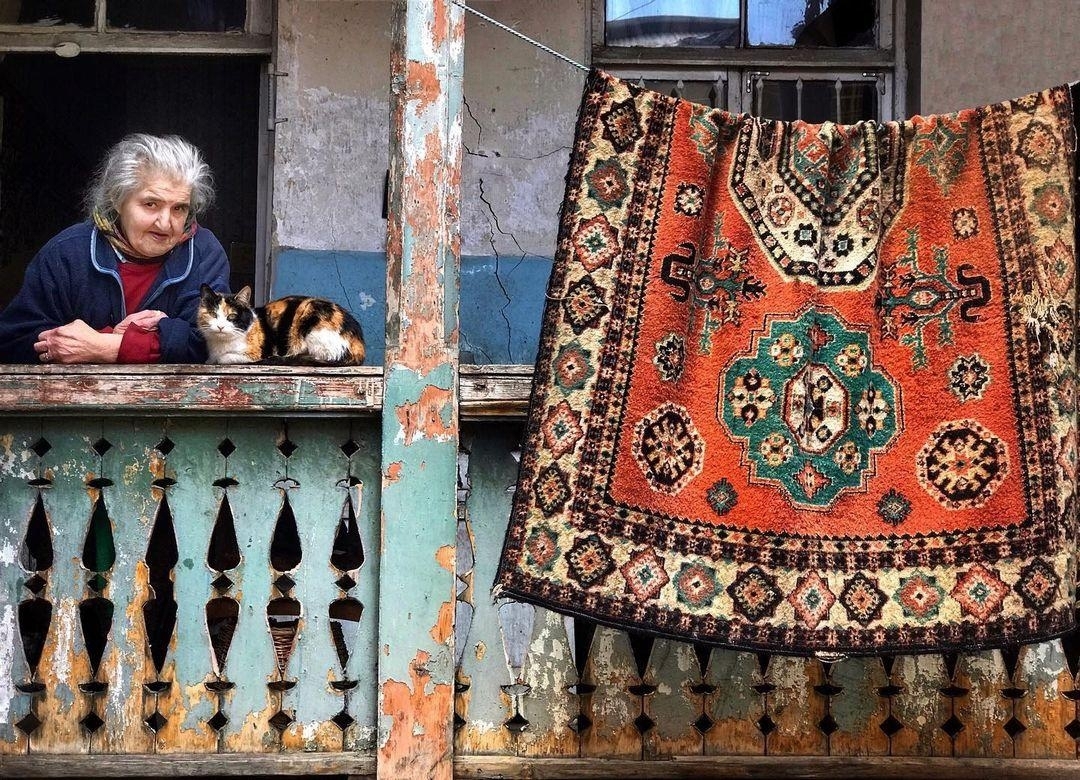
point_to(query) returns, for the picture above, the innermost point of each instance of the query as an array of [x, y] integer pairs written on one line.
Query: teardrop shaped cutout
[[35, 616], [222, 614], [348, 550], [285, 553], [345, 627], [36, 553], [283, 617], [159, 617], [161, 552], [99, 551], [224, 551], [95, 618]]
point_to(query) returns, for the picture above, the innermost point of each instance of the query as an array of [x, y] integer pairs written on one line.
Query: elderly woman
[[123, 287]]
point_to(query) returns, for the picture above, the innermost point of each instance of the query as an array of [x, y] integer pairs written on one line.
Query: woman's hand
[[77, 342], [143, 320]]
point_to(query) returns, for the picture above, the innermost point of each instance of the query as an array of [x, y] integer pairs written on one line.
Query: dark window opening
[[60, 116]]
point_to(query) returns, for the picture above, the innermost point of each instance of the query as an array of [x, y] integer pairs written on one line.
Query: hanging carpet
[[807, 387]]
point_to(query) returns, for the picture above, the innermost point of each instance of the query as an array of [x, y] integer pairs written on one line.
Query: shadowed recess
[[95, 617], [36, 552], [159, 612], [222, 614], [285, 553], [224, 552], [348, 550], [283, 617], [35, 616], [99, 551], [345, 626]]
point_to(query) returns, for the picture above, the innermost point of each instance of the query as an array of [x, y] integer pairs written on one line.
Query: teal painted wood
[[133, 501], [420, 396]]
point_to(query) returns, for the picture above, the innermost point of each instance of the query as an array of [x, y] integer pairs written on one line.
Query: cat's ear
[[244, 296], [206, 292]]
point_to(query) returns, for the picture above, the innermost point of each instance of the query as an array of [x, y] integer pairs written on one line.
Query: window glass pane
[[179, 15], [818, 101], [671, 23], [826, 23], [48, 12], [777, 100], [858, 101]]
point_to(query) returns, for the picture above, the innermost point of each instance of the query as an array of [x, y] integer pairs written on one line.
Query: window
[[76, 75], [816, 60]]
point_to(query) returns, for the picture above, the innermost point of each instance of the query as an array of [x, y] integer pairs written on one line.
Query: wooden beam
[[121, 42], [187, 765], [420, 396], [485, 392], [776, 767]]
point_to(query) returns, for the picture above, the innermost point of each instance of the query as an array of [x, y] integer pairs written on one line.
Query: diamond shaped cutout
[[704, 723], [92, 722], [766, 725], [287, 448], [891, 726], [953, 726], [35, 584], [30, 723], [281, 720], [41, 447], [155, 722], [226, 447], [98, 583], [222, 584], [458, 721], [284, 583], [828, 725], [343, 720], [350, 448], [345, 582], [517, 724], [217, 723], [101, 446], [1073, 728], [1014, 728], [644, 723], [165, 446]]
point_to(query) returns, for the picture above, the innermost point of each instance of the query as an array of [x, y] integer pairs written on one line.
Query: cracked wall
[[331, 157]]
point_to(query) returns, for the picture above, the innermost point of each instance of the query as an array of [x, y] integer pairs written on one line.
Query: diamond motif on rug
[[793, 358], [668, 448], [961, 464]]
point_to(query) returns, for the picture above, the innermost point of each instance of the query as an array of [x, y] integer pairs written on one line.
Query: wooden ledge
[[487, 392]]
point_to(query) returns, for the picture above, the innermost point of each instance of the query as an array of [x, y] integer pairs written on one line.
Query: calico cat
[[296, 330]]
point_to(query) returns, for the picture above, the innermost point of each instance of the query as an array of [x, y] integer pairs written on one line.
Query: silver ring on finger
[[46, 357]]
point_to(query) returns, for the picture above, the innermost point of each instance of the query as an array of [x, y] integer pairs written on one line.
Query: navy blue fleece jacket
[[74, 277]]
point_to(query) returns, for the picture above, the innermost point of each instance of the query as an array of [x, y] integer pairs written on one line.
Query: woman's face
[[153, 217]]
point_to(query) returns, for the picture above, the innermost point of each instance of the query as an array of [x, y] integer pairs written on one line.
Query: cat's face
[[223, 317]]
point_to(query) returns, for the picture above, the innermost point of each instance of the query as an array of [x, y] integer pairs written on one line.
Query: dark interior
[[60, 115]]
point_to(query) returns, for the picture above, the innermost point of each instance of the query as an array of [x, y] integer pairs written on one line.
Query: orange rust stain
[[419, 743], [393, 473], [444, 626], [424, 418], [446, 557], [422, 83]]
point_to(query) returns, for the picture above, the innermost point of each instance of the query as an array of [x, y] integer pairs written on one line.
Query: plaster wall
[[332, 153], [980, 52]]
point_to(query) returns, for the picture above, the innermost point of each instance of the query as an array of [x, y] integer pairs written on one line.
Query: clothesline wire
[[523, 37]]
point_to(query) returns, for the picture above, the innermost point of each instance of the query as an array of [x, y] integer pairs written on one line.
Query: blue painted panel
[[502, 298]]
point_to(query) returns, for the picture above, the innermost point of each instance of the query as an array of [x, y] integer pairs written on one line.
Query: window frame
[[741, 66]]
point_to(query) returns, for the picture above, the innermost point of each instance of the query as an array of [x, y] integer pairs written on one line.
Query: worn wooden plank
[[420, 428], [735, 706], [486, 392], [788, 767], [192, 765], [674, 706]]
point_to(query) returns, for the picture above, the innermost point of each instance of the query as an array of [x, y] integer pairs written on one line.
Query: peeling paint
[[430, 417], [7, 660]]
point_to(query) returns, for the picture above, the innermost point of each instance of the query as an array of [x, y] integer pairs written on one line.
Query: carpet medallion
[[807, 387]]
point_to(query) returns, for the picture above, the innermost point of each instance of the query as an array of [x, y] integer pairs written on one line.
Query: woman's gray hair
[[134, 158]]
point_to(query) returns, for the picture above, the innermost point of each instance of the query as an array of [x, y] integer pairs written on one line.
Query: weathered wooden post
[[420, 411]]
